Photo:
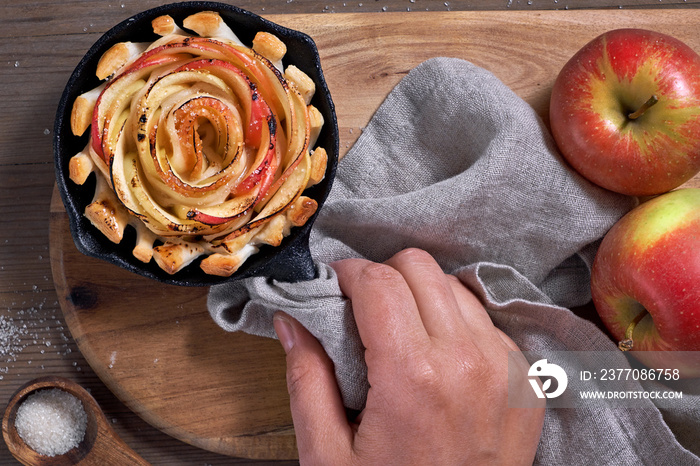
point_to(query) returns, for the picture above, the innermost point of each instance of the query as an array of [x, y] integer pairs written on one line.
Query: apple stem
[[645, 106], [628, 343]]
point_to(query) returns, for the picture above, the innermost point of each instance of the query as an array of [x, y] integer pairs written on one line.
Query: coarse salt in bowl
[[51, 421]]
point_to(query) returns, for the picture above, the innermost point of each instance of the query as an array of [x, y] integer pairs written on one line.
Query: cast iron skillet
[[291, 261]]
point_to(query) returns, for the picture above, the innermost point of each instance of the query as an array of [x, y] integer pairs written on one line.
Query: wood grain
[[159, 351], [524, 49], [164, 350]]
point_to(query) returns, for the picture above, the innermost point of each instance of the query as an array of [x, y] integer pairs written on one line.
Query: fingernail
[[284, 331]]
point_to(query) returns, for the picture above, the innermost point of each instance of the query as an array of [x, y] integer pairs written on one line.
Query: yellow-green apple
[[625, 112], [645, 281]]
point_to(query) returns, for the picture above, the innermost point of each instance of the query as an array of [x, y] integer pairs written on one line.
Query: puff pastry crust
[[200, 143]]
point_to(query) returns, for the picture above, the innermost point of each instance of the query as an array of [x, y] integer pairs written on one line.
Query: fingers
[[320, 422], [478, 321], [431, 289], [386, 313], [410, 297], [512, 346]]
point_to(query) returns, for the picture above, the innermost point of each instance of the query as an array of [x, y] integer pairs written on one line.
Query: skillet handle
[[295, 263]]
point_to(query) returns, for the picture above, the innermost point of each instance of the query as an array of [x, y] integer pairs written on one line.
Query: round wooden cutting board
[[158, 350], [156, 347]]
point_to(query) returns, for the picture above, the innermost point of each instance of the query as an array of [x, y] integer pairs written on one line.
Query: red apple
[[625, 112], [646, 281]]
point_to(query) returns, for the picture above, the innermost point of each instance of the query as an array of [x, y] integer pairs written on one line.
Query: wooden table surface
[[34, 68]]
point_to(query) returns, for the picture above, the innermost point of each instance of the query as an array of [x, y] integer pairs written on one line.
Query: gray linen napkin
[[455, 163]]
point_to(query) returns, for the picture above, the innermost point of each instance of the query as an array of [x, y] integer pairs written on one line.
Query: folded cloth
[[453, 162]]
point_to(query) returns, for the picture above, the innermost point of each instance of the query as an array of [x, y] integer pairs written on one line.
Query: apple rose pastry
[[200, 143]]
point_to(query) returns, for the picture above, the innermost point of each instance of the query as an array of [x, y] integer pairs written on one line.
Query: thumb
[[323, 433]]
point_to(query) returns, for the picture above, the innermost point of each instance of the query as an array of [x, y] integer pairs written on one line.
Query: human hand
[[437, 367]]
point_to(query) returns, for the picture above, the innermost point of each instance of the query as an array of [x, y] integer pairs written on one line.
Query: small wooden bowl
[[100, 446]]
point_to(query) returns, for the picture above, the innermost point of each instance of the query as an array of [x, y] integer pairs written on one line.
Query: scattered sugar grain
[[11, 335], [51, 421]]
